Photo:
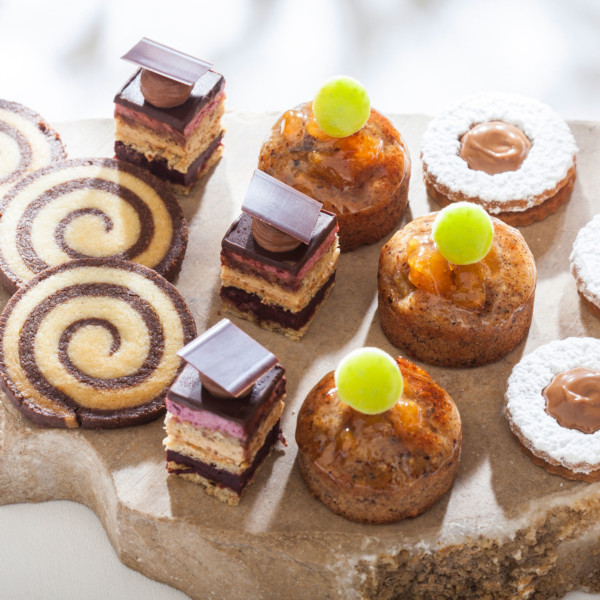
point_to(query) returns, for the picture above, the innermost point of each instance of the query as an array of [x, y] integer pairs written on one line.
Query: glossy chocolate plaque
[[166, 61], [281, 206], [228, 357]]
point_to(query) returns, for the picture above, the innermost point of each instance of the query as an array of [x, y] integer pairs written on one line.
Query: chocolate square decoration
[[229, 357], [167, 61], [281, 206]]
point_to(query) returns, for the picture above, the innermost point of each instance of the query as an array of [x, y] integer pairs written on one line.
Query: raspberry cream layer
[[154, 139], [289, 280], [221, 442]]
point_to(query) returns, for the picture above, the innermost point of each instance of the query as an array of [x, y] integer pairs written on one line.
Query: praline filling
[[494, 147], [573, 399]]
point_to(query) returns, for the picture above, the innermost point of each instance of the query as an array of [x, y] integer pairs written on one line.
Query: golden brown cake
[[455, 316], [385, 467], [92, 343], [513, 156], [362, 178]]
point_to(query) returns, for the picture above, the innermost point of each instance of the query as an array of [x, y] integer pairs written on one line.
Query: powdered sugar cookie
[[512, 155], [558, 425], [585, 264]]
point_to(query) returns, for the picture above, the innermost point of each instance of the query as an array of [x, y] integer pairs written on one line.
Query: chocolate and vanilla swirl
[[93, 343], [27, 143], [94, 208]]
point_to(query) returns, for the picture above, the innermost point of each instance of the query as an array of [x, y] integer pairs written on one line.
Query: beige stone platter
[[507, 529]]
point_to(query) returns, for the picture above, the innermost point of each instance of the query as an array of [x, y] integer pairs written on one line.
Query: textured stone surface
[[507, 528]]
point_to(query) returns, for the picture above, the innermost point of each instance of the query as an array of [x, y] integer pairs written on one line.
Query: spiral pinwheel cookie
[[513, 156], [552, 404], [92, 343], [89, 208], [27, 143]]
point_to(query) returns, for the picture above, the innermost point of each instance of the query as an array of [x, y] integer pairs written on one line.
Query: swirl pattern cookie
[[89, 208], [27, 143], [92, 343], [531, 147]]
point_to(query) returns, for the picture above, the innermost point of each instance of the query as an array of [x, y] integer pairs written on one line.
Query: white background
[[61, 58]]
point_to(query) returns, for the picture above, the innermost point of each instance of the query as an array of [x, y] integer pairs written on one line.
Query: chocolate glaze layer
[[223, 478], [160, 167], [246, 302], [239, 240], [178, 117], [248, 411]]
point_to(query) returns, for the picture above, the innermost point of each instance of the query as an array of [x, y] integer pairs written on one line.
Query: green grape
[[369, 380], [341, 107], [463, 233]]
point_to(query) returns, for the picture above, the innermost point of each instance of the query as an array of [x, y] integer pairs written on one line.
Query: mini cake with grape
[[456, 288], [513, 156], [346, 155], [378, 440]]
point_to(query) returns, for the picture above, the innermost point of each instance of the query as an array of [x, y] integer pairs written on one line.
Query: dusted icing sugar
[[526, 406], [585, 261], [546, 165]]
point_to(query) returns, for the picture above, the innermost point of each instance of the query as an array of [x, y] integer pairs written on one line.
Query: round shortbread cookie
[[560, 450], [89, 208], [92, 343], [542, 183], [27, 143], [585, 264]]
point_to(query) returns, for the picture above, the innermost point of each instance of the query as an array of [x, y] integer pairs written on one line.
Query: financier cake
[[89, 208], [455, 315], [380, 468], [27, 143], [92, 343], [513, 156], [552, 404], [362, 178]]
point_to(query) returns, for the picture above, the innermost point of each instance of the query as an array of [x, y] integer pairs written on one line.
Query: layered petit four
[[452, 312], [92, 343], [27, 143], [89, 208], [585, 265], [278, 259], [168, 115], [378, 440], [552, 404], [362, 178], [513, 156], [223, 411]]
